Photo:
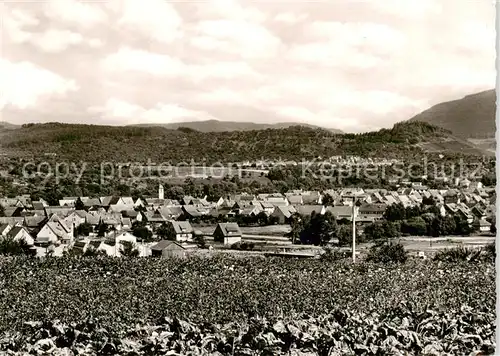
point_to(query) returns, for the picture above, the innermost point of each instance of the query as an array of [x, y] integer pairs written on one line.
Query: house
[[92, 203], [282, 214], [13, 211], [295, 200], [168, 249], [18, 233], [484, 226], [51, 233], [154, 217], [191, 212], [93, 219], [277, 201], [179, 230], [126, 224], [267, 207], [250, 210], [451, 196], [340, 212], [61, 211], [67, 202], [118, 208], [307, 210], [76, 218], [312, 198], [4, 229], [125, 236], [375, 211], [227, 233]]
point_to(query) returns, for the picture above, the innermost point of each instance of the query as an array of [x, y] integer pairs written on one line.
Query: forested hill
[[138, 144]]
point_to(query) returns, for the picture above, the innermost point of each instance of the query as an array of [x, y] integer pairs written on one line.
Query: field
[[245, 306]]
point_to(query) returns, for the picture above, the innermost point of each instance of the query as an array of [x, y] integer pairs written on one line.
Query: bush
[[388, 253], [461, 254], [332, 254]]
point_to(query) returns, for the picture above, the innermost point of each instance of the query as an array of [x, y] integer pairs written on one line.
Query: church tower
[[161, 192]]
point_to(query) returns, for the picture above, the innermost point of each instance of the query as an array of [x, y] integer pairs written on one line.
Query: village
[[157, 226]]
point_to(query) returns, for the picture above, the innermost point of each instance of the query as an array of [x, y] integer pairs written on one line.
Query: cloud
[[248, 40], [156, 19], [128, 59], [358, 65], [25, 85], [135, 114], [290, 17], [84, 14]]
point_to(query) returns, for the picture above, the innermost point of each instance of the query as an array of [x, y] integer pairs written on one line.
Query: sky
[[351, 65]]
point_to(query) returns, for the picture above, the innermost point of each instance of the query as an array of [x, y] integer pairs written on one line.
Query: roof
[[309, 209], [37, 205], [33, 221], [287, 211], [182, 227], [373, 208], [337, 211], [230, 229], [92, 202], [165, 244], [15, 230], [295, 199], [3, 227]]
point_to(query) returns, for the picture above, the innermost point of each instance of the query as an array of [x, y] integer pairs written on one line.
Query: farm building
[[180, 230], [227, 233], [167, 249]]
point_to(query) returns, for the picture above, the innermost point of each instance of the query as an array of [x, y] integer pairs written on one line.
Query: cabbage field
[[245, 306]]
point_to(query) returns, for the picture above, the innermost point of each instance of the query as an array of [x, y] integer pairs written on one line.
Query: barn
[[167, 249], [227, 233]]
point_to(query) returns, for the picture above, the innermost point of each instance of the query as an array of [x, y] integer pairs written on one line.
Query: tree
[[387, 253], [344, 235], [163, 232], [415, 226], [102, 230], [128, 249], [493, 226], [143, 233], [84, 229], [9, 246], [328, 200], [395, 212], [175, 192], [2, 211], [79, 204]]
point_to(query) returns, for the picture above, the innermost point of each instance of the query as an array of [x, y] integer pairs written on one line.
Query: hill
[[8, 126], [222, 126], [140, 144], [472, 117]]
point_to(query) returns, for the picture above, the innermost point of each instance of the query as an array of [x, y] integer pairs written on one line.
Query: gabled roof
[[3, 228], [165, 244], [34, 221], [373, 208], [340, 211], [92, 202], [182, 227], [309, 209], [16, 230], [230, 229], [295, 199], [287, 211]]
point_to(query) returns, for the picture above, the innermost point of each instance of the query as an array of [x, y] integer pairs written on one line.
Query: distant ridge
[[225, 126], [472, 117], [8, 126]]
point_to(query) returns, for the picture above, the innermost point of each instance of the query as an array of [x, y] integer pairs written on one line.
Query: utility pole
[[354, 229]]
